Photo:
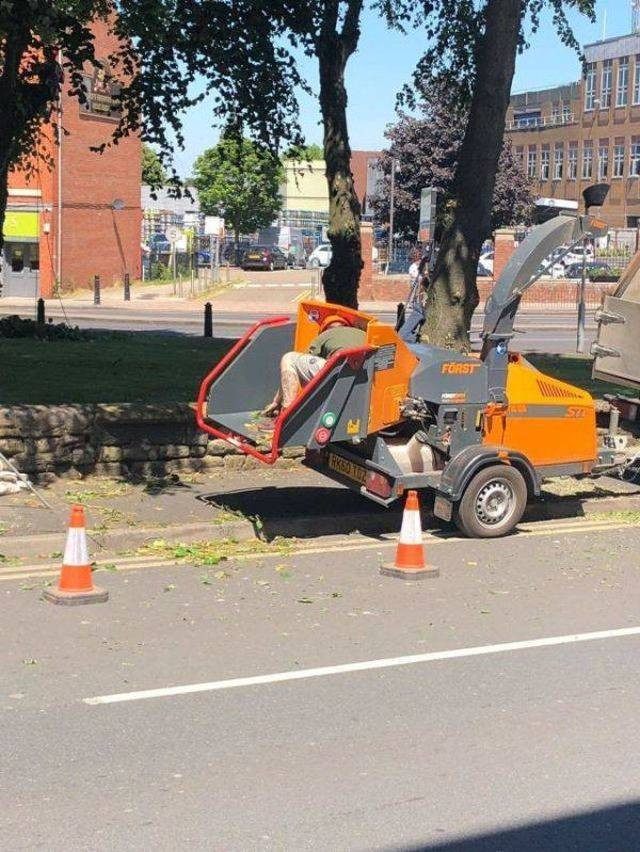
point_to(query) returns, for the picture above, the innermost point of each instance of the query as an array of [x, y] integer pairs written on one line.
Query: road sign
[[213, 226], [428, 205], [173, 233]]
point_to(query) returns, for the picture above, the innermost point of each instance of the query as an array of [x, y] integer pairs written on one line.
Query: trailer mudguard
[[462, 468]]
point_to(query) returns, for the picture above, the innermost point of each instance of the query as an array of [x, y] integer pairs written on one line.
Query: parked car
[[232, 255], [159, 244], [599, 269], [486, 260], [320, 256], [559, 267], [264, 257]]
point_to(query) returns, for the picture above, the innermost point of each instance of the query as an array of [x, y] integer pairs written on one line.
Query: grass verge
[[111, 367], [576, 370]]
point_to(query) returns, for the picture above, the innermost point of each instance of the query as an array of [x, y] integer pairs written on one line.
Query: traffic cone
[[76, 582], [410, 563]]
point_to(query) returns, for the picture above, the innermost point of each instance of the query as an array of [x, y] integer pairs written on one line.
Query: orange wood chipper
[[480, 430]]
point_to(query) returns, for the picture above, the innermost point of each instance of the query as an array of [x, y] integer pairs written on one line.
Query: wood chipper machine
[[481, 430]]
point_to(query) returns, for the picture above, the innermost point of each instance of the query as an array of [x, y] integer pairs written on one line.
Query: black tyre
[[493, 502]]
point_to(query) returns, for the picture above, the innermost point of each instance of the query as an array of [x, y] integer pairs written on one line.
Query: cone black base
[[391, 570], [95, 595]]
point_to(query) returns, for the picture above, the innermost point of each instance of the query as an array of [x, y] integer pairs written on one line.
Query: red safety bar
[[355, 358]]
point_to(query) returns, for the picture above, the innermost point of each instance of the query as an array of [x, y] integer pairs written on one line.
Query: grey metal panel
[[344, 391], [619, 343], [429, 382], [251, 380]]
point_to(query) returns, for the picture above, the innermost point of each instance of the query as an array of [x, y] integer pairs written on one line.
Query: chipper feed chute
[[617, 347], [358, 390]]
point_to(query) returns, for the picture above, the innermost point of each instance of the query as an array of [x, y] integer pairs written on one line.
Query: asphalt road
[[541, 332], [527, 748]]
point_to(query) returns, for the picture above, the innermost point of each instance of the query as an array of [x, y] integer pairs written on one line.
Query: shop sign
[[21, 225]]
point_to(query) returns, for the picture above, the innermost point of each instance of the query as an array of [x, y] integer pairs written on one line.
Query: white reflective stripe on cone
[[75, 551], [411, 530]]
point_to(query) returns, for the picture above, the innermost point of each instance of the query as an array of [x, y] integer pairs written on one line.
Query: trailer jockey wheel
[[493, 502]]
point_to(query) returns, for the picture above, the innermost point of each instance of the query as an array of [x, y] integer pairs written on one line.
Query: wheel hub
[[494, 502]]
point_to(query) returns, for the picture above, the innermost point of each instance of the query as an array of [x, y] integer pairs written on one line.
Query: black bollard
[[96, 290], [40, 318], [127, 287], [208, 320]]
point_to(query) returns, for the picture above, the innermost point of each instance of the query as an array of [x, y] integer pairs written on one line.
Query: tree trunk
[[453, 295], [340, 279]]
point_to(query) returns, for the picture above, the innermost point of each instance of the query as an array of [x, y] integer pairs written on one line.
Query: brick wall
[[97, 240]]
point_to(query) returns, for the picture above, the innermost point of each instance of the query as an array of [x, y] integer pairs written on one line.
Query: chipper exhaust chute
[[481, 430]]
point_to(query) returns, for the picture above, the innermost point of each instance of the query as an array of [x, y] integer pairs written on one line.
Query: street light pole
[[581, 305], [391, 211]]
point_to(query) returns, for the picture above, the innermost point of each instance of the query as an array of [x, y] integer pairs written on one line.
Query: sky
[[385, 61]]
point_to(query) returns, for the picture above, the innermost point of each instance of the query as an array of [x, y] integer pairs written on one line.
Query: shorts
[[307, 366]]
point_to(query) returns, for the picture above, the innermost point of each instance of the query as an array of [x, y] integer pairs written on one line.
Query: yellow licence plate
[[347, 468]]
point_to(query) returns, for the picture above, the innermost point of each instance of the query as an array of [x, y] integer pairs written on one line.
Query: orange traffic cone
[[76, 581], [410, 563]]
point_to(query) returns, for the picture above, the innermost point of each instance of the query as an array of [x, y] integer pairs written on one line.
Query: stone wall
[[127, 439]]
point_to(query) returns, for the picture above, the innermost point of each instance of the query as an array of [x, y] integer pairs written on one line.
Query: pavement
[[310, 703], [123, 516], [237, 306]]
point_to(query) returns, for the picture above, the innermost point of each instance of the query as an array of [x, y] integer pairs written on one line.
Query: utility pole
[[581, 295], [391, 211]]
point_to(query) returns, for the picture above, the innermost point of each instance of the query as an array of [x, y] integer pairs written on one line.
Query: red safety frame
[[355, 358]]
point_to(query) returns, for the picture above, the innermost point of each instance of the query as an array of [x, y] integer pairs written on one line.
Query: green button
[[329, 419]]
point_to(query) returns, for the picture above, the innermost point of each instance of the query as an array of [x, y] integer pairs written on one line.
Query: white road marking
[[392, 662]]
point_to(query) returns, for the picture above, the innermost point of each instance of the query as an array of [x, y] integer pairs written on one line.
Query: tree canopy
[[153, 172], [239, 180], [425, 149]]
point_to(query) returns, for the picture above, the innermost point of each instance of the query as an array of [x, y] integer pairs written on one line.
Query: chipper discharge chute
[[481, 430]]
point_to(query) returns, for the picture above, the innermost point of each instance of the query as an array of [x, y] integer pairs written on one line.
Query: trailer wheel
[[493, 502]]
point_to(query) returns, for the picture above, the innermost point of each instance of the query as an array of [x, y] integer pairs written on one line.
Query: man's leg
[[289, 385]]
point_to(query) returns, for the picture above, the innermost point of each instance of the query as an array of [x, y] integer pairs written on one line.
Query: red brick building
[[83, 217]]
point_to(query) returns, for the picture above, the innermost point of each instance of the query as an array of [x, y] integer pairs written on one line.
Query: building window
[[606, 84], [603, 161], [532, 160], [520, 156], [545, 162], [590, 87], [634, 162], [558, 161], [587, 161], [573, 161], [618, 161], [566, 111], [636, 82], [555, 114], [622, 92]]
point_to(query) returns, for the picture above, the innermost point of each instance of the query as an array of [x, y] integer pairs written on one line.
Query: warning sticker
[[385, 357]]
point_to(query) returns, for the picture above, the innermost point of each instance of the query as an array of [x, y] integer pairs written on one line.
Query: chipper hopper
[[480, 430]]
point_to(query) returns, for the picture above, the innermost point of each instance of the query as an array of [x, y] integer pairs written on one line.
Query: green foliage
[[240, 180], [153, 172], [455, 31], [306, 153]]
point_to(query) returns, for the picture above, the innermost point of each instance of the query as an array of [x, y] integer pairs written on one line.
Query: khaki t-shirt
[[335, 339]]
